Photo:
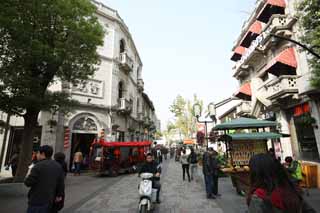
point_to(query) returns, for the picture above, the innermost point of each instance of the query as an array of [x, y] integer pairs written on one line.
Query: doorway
[[82, 142]]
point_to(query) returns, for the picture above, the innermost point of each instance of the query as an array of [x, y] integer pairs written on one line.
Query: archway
[[84, 129]]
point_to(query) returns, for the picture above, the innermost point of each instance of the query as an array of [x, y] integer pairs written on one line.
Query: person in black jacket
[[60, 157], [210, 172], [151, 166], [46, 181]]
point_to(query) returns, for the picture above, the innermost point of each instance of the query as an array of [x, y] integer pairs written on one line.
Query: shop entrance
[[82, 143], [84, 131]]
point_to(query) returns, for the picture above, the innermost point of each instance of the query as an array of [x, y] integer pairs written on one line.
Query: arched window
[[85, 123], [120, 90], [122, 46]]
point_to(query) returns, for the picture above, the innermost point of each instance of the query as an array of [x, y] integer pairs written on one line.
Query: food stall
[[244, 137]]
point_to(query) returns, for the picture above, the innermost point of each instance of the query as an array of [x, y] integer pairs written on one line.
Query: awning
[[271, 7], [250, 136], [283, 64], [123, 144], [244, 92], [237, 54], [245, 123], [253, 32]]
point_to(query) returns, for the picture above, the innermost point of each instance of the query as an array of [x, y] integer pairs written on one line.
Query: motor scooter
[[148, 195]]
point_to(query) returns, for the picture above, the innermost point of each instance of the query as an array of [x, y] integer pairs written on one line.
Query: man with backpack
[[193, 160]]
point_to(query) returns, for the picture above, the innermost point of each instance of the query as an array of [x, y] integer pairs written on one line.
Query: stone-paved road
[[177, 196], [89, 193]]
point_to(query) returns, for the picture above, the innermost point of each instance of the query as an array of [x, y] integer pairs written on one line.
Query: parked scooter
[[148, 195]]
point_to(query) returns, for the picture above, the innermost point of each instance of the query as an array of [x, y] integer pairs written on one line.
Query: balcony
[[126, 63], [140, 85], [279, 25], [243, 108], [282, 87], [125, 105]]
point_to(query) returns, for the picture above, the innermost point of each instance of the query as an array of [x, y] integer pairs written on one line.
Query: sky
[[185, 46]]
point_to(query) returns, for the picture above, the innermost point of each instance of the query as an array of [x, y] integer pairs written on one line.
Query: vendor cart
[[244, 138], [114, 158]]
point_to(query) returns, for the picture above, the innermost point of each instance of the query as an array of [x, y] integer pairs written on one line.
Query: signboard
[[243, 151], [254, 44]]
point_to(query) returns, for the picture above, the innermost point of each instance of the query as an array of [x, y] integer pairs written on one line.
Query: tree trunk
[[25, 155], [60, 133]]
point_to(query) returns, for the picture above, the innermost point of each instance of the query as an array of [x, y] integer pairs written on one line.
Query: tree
[[42, 42], [185, 117], [310, 22]]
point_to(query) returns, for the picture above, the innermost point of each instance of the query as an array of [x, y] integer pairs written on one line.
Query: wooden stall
[[244, 137]]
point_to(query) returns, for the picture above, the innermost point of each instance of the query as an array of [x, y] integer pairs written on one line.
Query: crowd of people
[[274, 187]]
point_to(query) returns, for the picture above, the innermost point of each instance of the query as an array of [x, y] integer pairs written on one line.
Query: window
[[120, 90], [122, 46]]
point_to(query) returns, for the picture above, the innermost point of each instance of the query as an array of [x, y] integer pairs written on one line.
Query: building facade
[[113, 104], [274, 77]]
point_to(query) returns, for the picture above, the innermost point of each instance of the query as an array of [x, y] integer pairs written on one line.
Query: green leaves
[[310, 22], [43, 41]]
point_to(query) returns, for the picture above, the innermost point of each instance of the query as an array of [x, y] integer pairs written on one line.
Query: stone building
[[274, 78], [113, 104]]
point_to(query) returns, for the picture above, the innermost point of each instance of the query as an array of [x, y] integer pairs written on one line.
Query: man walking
[[193, 159], [46, 181], [210, 168]]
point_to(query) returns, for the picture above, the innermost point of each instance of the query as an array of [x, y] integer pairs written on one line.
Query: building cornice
[[116, 18]]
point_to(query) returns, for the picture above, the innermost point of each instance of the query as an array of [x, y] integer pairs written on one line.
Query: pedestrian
[[193, 159], [271, 189], [60, 157], [77, 160], [185, 165], [46, 182], [14, 161], [294, 169], [216, 169], [210, 168]]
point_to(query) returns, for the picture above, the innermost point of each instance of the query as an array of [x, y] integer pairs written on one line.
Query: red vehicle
[[113, 158]]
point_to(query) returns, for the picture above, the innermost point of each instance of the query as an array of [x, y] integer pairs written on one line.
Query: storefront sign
[[254, 44]]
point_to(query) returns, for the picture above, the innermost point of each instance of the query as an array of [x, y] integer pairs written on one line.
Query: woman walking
[[271, 189], [185, 164]]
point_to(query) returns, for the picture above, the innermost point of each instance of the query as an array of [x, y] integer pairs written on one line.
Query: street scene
[[160, 106]]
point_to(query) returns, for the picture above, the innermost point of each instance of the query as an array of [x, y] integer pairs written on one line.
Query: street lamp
[[197, 109]]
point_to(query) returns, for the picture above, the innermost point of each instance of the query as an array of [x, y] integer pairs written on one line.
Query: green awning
[[245, 123], [251, 136]]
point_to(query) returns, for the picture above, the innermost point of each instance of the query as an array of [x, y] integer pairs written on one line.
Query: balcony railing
[[283, 86], [125, 105], [244, 108], [278, 24], [126, 63]]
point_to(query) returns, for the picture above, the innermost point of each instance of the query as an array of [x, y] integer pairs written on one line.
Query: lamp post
[[212, 114]]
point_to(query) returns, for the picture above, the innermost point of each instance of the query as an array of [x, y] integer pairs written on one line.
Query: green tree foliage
[[185, 118], [310, 22], [42, 42]]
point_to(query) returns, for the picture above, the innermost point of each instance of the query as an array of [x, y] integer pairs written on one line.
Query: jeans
[[77, 168], [215, 184], [157, 185], [208, 179], [185, 169], [38, 209], [194, 170]]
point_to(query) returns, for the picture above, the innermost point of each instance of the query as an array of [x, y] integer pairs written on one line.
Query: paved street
[[88, 193]]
